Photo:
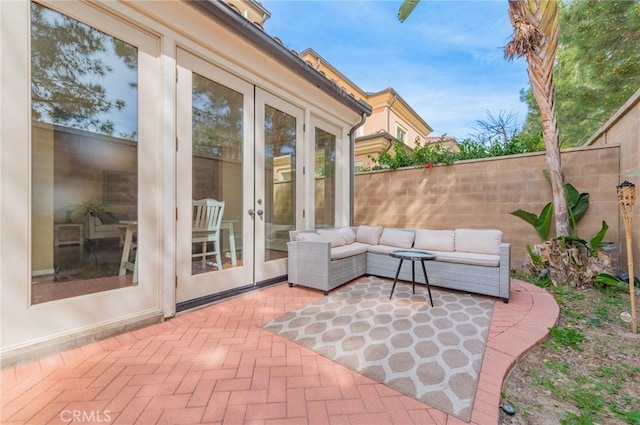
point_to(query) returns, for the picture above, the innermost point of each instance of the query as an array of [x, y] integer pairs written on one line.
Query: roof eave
[[224, 14]]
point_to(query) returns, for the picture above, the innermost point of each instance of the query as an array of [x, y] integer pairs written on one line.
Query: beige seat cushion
[[397, 238], [478, 241], [348, 250], [487, 260], [435, 240], [386, 249]]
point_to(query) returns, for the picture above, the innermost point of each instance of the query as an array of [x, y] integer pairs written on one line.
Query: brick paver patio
[[216, 365]]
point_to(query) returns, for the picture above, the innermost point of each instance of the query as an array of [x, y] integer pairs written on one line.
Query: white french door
[[237, 144], [278, 203], [214, 130]]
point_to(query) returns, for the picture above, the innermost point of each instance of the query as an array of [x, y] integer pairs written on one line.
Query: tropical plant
[[578, 205], [535, 36], [566, 258], [577, 262], [592, 244]]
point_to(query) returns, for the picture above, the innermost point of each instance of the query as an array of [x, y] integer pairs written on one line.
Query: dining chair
[[207, 217]]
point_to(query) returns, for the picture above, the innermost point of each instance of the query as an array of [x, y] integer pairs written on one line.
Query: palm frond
[[406, 8]]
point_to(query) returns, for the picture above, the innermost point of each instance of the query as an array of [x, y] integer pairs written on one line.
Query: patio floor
[[216, 365]]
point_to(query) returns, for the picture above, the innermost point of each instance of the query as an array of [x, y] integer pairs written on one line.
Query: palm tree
[[535, 36]]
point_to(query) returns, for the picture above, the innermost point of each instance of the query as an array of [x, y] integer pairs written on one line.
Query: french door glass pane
[[279, 204], [84, 106], [325, 179], [217, 184]]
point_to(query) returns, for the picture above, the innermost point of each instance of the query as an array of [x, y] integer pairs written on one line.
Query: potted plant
[[86, 208]]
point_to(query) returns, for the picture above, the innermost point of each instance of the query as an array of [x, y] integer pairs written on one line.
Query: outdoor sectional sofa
[[470, 260]]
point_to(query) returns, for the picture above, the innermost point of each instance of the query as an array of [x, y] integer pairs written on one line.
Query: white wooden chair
[[207, 217], [96, 229]]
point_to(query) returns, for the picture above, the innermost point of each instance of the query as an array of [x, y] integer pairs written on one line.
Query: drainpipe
[[352, 170], [395, 97]]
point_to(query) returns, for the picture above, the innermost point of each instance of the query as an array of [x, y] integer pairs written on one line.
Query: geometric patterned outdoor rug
[[432, 354]]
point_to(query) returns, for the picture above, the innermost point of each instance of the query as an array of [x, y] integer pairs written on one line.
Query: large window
[[84, 106], [280, 181], [217, 176], [325, 179]]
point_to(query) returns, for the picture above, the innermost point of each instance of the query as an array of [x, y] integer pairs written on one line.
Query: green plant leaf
[[530, 218], [541, 223], [544, 224], [578, 202], [535, 258], [608, 279], [596, 239]]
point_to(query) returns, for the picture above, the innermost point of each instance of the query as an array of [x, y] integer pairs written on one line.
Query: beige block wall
[[482, 193], [623, 129]]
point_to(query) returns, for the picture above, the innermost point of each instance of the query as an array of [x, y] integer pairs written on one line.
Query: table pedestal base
[[413, 278]]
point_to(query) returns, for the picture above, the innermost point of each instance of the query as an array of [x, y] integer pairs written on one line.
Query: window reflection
[[325, 179], [280, 181], [217, 182], [84, 158]]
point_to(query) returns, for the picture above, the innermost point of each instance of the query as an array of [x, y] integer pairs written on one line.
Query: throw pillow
[[435, 240], [332, 235], [369, 234], [397, 238], [348, 235], [478, 241], [309, 237]]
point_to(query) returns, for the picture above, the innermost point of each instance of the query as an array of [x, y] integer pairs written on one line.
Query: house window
[[325, 179], [401, 134], [84, 108]]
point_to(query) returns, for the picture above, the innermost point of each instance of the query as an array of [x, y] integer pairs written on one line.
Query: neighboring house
[[446, 141], [252, 10], [115, 117], [392, 118]]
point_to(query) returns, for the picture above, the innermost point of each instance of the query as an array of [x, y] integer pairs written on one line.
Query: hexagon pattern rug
[[432, 354]]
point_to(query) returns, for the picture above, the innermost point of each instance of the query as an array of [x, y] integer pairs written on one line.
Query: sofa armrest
[[505, 270], [309, 262]]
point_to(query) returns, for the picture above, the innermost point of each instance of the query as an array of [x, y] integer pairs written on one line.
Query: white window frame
[[402, 137]]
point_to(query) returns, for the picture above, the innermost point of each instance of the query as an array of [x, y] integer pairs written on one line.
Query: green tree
[[597, 68], [69, 61]]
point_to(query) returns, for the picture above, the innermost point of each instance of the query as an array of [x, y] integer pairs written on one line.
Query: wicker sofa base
[[310, 265], [462, 277]]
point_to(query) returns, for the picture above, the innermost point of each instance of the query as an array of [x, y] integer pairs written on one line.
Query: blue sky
[[445, 60]]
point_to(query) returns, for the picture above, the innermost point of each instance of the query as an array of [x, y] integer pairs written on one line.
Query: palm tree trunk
[[535, 36]]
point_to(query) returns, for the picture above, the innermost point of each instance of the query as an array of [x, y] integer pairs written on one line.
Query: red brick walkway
[[217, 366]]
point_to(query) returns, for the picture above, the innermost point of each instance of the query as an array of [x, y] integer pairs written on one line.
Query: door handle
[[260, 212], [250, 212]]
